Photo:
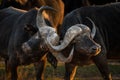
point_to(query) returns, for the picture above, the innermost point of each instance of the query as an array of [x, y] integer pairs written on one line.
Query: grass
[[0, 1], [83, 73]]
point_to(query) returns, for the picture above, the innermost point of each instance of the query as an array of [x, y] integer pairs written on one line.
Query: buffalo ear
[[30, 29]]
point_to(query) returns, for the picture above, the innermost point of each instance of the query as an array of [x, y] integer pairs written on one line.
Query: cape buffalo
[[101, 34], [53, 18], [15, 25]]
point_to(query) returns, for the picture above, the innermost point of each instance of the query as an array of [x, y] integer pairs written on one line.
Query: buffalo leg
[[39, 68], [7, 71], [101, 62], [11, 70], [70, 71]]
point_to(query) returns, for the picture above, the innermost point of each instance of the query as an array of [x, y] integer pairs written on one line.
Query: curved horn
[[93, 32], [60, 57], [39, 19], [69, 36]]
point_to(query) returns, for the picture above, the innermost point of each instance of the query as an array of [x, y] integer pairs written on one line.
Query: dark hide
[[107, 21], [101, 2], [71, 5]]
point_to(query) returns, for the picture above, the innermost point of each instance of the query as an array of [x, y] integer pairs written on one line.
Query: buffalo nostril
[[95, 48]]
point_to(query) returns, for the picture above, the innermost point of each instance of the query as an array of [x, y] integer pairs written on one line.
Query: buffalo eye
[[30, 29]]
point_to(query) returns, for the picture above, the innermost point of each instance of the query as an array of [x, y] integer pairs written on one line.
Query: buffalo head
[[82, 37]]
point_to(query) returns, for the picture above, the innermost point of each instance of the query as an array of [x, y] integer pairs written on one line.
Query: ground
[[83, 73]]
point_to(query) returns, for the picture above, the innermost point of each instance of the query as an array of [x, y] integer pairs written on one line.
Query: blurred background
[[83, 73]]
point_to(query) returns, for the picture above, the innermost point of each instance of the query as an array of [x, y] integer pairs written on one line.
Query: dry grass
[[83, 73]]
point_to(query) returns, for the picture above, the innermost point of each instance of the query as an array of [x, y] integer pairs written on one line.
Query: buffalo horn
[[69, 36], [60, 57], [93, 32], [39, 19]]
